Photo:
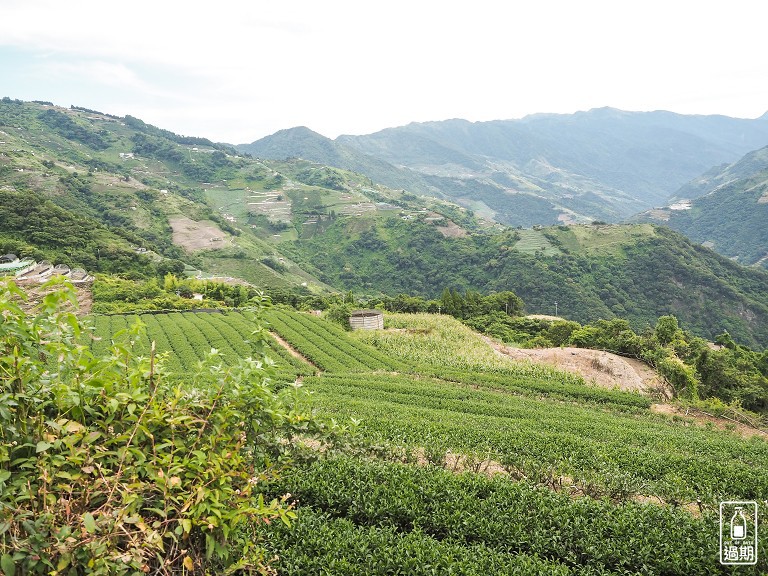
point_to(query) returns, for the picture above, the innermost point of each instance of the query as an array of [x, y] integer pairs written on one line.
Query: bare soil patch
[[292, 351], [452, 230], [604, 369], [35, 294], [195, 236]]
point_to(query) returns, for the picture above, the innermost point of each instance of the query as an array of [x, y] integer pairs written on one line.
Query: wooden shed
[[366, 320]]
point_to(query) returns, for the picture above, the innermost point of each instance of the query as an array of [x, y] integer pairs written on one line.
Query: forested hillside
[[117, 195], [725, 209], [111, 194], [591, 272]]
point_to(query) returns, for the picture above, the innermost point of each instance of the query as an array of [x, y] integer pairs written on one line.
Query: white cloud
[[244, 69]]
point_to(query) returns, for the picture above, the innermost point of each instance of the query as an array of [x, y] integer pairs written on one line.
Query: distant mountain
[[116, 195], [301, 142], [604, 164], [726, 209]]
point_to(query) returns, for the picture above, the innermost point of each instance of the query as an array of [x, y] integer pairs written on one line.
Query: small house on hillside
[[366, 320]]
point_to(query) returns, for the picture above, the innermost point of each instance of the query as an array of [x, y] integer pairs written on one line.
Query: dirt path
[[292, 351], [602, 368]]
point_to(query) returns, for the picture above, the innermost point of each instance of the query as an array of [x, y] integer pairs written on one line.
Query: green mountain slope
[[113, 194], [130, 192], [635, 272], [602, 164], [301, 142], [726, 209]]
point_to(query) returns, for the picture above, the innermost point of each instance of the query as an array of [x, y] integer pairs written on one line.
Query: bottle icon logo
[[738, 533], [738, 525]]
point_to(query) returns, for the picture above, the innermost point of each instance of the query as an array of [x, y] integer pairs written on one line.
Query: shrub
[[106, 467]]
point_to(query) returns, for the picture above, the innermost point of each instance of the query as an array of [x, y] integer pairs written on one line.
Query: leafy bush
[[106, 467]]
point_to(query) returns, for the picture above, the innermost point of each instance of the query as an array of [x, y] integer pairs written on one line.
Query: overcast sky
[[235, 71]]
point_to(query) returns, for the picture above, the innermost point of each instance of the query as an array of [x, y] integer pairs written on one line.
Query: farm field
[[187, 337], [534, 241], [466, 462]]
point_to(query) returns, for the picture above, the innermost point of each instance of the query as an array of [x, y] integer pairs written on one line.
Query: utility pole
[[555, 308]]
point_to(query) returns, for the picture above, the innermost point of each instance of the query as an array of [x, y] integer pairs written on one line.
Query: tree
[[667, 330], [507, 302]]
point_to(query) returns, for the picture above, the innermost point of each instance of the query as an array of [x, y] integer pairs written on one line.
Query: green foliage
[[112, 294], [472, 303], [543, 433], [525, 331], [68, 128], [202, 167], [323, 543], [33, 226], [339, 314], [186, 339], [681, 376], [728, 210], [324, 177], [108, 467], [354, 509], [667, 330], [327, 345], [461, 412], [638, 273]]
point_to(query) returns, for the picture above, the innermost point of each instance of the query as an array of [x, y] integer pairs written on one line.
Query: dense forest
[[655, 274]]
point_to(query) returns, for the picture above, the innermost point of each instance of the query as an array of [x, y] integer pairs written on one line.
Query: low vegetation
[[109, 467]]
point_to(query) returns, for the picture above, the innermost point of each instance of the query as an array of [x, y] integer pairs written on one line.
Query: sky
[[236, 71]]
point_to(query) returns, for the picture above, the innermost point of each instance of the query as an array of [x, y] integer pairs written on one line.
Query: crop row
[[596, 451], [464, 512], [317, 543], [557, 389], [327, 346], [187, 337]]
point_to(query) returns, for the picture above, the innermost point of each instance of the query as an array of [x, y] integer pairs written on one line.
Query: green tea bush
[[106, 467]]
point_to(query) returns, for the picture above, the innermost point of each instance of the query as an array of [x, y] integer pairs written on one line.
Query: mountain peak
[[301, 131]]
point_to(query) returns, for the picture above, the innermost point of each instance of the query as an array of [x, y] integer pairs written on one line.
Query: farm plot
[[328, 346], [187, 337], [366, 517], [600, 451], [467, 462], [534, 241]]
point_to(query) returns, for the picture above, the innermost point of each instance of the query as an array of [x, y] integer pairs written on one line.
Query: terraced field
[[187, 337], [534, 241], [467, 463]]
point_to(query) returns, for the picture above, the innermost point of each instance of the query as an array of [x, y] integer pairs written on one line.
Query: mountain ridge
[[178, 204], [726, 208], [602, 164]]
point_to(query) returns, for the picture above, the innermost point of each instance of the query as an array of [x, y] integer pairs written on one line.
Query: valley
[[553, 392]]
